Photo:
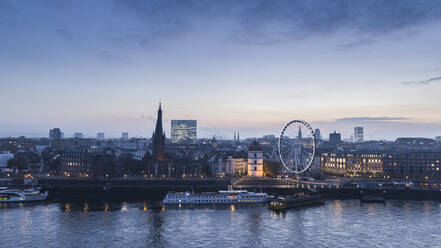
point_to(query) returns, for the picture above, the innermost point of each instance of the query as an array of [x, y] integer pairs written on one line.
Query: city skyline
[[102, 67]]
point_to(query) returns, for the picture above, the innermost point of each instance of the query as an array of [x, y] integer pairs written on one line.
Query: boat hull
[[295, 203]]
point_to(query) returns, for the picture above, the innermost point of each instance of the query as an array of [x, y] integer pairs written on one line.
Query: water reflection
[[145, 224], [90, 206]]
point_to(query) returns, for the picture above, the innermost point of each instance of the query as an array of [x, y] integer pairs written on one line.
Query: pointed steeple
[[238, 137], [299, 136], [158, 138], [158, 128]]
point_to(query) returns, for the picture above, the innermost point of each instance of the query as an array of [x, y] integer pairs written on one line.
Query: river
[[338, 223]]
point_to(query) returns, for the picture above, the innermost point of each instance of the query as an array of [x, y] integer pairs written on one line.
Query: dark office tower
[[55, 136], [158, 138], [335, 138], [299, 135], [317, 135]]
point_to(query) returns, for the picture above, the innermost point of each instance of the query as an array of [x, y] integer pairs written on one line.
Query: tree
[[271, 168], [20, 162]]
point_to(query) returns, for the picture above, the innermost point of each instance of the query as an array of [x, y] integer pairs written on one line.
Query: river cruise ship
[[222, 197], [26, 195]]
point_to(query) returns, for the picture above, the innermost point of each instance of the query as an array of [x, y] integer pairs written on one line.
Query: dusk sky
[[251, 66]]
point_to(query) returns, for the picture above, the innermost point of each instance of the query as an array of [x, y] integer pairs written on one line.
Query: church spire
[[158, 138]]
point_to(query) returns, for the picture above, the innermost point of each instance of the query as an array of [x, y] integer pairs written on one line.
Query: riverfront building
[[236, 166], [255, 159], [83, 161], [183, 131], [413, 165], [352, 163]]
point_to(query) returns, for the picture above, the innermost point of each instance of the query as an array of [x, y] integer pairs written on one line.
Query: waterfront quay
[[347, 189], [125, 189], [135, 189]]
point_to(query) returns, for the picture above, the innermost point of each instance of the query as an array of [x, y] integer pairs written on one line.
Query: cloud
[[268, 22], [298, 19], [423, 82], [371, 119], [355, 44]]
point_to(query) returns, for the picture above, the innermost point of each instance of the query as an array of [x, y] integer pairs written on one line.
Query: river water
[[338, 223]]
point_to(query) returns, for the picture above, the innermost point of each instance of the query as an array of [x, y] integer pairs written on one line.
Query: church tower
[[158, 138]]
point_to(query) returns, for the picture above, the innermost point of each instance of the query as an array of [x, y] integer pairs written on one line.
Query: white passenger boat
[[26, 195], [222, 197]]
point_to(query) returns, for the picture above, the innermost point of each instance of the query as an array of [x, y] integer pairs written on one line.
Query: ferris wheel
[[296, 146]]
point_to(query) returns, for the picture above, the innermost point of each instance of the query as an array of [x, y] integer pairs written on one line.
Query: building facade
[[352, 164], [236, 166], [82, 161], [183, 131], [413, 165], [255, 159]]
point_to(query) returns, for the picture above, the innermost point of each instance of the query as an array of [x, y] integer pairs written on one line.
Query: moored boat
[[26, 195], [371, 197], [229, 196], [293, 201]]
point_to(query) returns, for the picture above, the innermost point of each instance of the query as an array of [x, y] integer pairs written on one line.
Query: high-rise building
[[78, 135], [335, 138], [100, 136], [55, 134], [184, 131], [358, 134], [158, 138], [125, 136], [438, 138], [255, 159], [317, 135]]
